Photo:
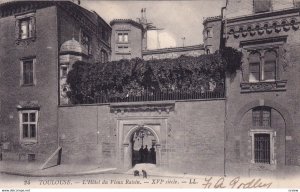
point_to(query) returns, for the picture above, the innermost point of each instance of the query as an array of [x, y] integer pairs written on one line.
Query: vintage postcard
[[149, 94]]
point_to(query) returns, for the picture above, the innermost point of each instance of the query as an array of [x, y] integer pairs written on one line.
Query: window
[[123, 37], [209, 33], [28, 125], [207, 51], [28, 72], [64, 71], [86, 41], [261, 116], [104, 56], [262, 66], [25, 26], [262, 148], [260, 6], [123, 49]]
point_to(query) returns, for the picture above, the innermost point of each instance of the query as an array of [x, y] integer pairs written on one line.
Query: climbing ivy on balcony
[[133, 77]]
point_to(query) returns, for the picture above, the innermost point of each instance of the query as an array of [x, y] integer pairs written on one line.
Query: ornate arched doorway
[[141, 145]]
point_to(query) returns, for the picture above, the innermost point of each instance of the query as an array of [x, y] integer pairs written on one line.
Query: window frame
[[272, 134], [103, 56], [30, 18], [260, 110], [22, 76], [262, 63], [122, 35], [86, 44], [28, 139]]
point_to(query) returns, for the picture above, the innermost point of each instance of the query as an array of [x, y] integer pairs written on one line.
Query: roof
[[173, 49], [73, 46], [129, 21], [211, 19], [12, 4]]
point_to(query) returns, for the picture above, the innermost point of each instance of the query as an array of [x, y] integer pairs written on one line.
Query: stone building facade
[[262, 113], [127, 39], [253, 130], [39, 42]]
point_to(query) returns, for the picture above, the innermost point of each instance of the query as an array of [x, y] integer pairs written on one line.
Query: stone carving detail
[[284, 52], [263, 86], [266, 27], [142, 107]]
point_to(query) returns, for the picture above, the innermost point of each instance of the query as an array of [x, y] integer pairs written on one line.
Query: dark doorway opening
[[143, 144]]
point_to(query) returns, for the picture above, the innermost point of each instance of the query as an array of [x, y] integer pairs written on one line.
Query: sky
[[179, 19]]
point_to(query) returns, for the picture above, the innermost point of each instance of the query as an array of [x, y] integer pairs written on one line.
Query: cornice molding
[[259, 28]]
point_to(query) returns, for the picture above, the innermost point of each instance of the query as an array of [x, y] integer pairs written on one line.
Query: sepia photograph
[[195, 94]]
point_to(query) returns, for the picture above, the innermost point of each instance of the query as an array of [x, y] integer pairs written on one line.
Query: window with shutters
[[260, 6], [28, 77], [28, 125], [25, 27]]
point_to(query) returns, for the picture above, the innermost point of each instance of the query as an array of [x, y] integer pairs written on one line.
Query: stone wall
[[190, 134], [173, 52], [44, 49]]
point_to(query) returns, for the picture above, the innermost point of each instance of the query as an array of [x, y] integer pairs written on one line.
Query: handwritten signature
[[209, 182]]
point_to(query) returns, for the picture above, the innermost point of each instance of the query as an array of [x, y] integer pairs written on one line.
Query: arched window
[[261, 116], [254, 67], [262, 68], [207, 51], [269, 70], [104, 56]]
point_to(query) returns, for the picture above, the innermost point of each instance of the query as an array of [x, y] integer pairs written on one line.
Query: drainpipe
[[222, 46]]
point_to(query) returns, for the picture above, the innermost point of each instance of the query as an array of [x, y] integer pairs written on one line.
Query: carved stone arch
[[271, 49], [135, 128], [276, 106], [127, 144]]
